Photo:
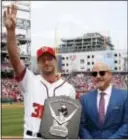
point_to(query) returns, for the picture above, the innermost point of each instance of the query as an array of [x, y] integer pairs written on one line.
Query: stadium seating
[[82, 83]]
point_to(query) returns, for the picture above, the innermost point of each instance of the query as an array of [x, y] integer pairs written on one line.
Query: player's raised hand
[[10, 17]]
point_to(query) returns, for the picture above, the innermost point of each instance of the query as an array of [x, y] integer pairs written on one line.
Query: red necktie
[[102, 108]]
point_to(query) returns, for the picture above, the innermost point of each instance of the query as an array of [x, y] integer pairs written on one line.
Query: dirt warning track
[[14, 105], [12, 137]]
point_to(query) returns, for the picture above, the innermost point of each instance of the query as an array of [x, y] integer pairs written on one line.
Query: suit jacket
[[116, 119]]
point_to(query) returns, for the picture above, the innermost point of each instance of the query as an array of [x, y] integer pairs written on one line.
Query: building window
[[115, 68], [63, 64], [67, 64], [88, 56], [67, 58], [92, 63], [115, 55], [67, 70], [92, 56], [63, 58], [82, 61], [115, 61], [88, 63]]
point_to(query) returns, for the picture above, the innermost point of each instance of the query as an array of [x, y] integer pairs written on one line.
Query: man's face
[[47, 63], [102, 76]]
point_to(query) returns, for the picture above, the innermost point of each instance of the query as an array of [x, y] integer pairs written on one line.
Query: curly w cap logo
[[44, 49]]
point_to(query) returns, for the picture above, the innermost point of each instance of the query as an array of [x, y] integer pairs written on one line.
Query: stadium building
[[79, 54], [22, 34], [85, 43]]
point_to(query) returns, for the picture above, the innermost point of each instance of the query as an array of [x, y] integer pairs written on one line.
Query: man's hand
[[10, 17], [10, 24]]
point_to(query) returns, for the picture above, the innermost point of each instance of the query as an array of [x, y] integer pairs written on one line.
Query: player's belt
[[30, 133]]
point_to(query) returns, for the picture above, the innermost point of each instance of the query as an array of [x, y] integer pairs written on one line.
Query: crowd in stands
[[82, 83], [11, 90]]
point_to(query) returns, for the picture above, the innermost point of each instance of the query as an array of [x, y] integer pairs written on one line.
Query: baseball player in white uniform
[[36, 88]]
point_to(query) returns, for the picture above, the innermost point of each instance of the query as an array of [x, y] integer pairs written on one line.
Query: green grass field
[[12, 120]]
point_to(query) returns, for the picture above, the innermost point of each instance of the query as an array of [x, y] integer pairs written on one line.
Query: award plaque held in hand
[[61, 118]]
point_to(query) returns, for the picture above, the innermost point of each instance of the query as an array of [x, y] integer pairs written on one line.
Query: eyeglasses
[[101, 73]]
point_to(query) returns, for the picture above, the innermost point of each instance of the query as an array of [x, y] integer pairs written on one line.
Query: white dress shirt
[[106, 97]]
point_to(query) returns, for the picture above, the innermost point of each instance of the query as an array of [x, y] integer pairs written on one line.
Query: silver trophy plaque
[[61, 118]]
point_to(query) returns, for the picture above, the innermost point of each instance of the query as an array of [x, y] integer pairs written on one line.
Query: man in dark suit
[[104, 110]]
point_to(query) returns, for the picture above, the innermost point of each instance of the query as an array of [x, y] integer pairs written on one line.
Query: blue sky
[[74, 18]]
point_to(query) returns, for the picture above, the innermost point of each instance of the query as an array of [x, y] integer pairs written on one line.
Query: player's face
[[47, 63], [101, 76]]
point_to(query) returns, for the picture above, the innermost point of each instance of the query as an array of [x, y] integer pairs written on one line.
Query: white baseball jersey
[[36, 89]]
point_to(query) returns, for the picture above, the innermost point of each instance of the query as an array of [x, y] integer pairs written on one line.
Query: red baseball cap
[[45, 49]]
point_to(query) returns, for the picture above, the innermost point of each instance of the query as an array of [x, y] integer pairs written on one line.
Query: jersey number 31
[[38, 110]]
